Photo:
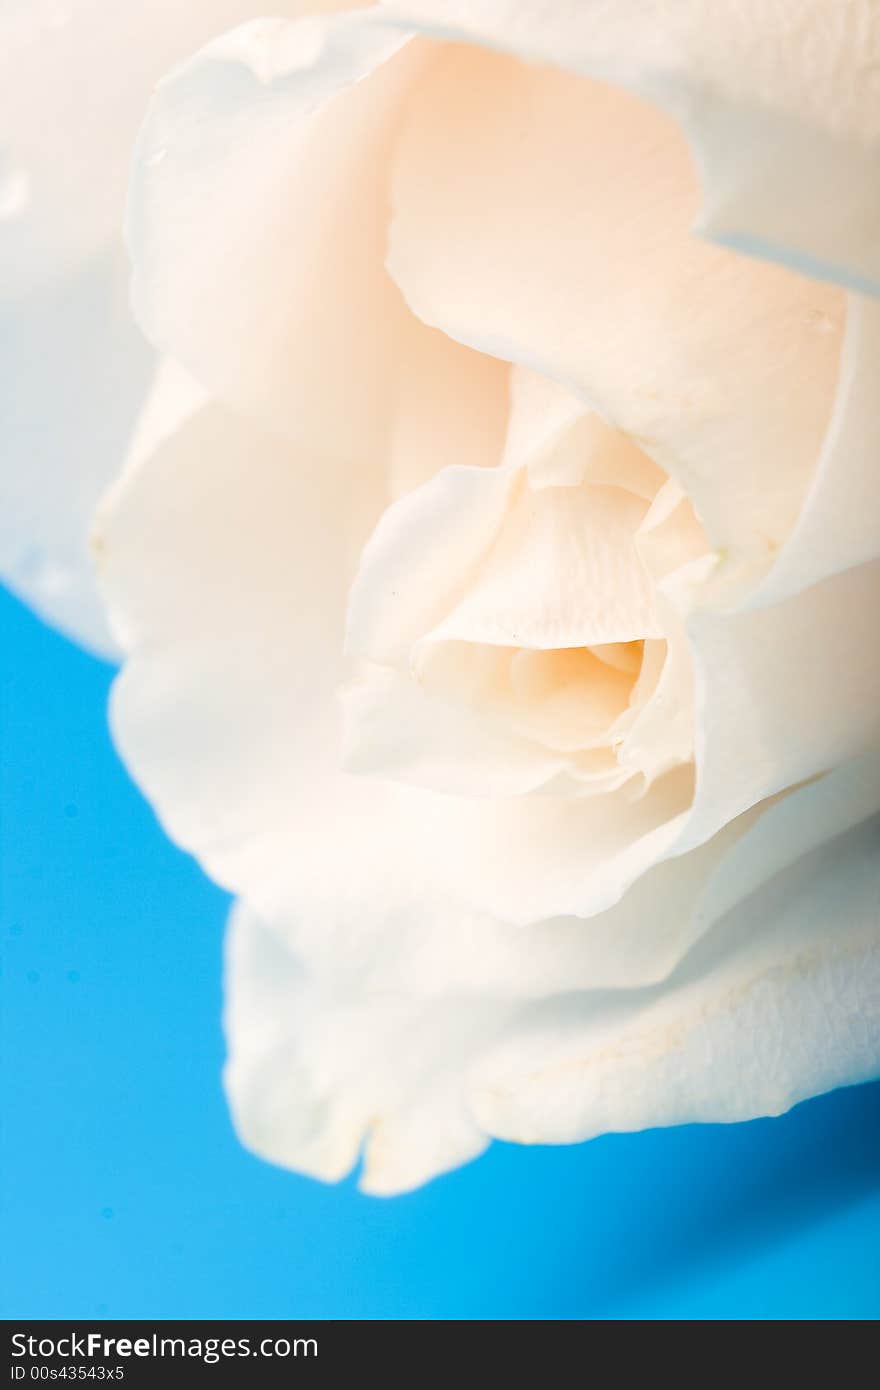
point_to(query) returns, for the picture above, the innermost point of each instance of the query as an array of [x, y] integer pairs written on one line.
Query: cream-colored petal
[[546, 218], [658, 732], [563, 572], [225, 561], [316, 1074], [230, 612], [483, 557], [226, 708], [478, 560], [257, 226], [780, 1002], [75, 77], [783, 693], [397, 729], [431, 948], [225, 714], [395, 1037], [779, 99], [73, 372], [486, 744], [839, 525], [421, 558], [563, 443], [250, 181]]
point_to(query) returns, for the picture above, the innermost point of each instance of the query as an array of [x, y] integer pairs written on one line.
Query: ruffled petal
[[420, 558], [546, 218], [564, 572], [480, 556], [204, 571], [74, 80], [226, 582], [73, 372], [226, 708], [839, 523], [781, 1002], [395, 728], [783, 693], [317, 1075], [413, 1044], [279, 840], [257, 226], [778, 100]]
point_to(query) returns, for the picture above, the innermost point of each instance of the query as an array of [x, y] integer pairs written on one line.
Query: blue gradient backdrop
[[126, 1194]]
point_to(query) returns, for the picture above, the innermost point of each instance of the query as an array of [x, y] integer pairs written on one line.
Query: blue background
[[126, 1194]]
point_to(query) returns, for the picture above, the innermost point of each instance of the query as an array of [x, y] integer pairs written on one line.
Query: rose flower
[[496, 563]]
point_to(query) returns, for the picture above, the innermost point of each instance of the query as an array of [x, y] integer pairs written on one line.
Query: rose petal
[[779, 102], [315, 1075], [279, 839], [394, 728], [791, 686], [563, 572], [257, 227], [394, 1040], [434, 948], [477, 556], [227, 582], [563, 443], [73, 370], [202, 567], [74, 80], [75, 77], [546, 218], [839, 525], [420, 557], [226, 709], [780, 1003]]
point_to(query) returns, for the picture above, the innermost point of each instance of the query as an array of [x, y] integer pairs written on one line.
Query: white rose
[[75, 77], [575, 830]]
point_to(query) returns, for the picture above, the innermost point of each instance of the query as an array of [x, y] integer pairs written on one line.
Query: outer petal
[[780, 1003], [839, 524], [317, 1074], [398, 1047], [779, 99], [73, 372], [547, 218], [433, 948], [257, 226], [662, 51], [75, 78], [783, 692], [231, 614]]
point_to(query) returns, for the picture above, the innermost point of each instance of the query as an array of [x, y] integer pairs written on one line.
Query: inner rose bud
[[546, 653]]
